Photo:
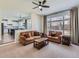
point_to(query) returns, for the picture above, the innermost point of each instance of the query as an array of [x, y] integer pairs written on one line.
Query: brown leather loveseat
[[55, 36]]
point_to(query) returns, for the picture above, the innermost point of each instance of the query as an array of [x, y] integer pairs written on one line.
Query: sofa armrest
[[22, 37]]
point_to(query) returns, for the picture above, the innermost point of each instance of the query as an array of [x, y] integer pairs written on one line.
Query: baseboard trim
[[7, 44], [76, 44]]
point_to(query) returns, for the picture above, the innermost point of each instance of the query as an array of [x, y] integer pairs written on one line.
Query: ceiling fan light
[[40, 7]]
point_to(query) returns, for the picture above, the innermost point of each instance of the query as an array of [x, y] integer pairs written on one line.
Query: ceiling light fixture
[[40, 7]]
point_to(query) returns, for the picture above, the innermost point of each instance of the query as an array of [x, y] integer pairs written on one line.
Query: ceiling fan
[[40, 5]]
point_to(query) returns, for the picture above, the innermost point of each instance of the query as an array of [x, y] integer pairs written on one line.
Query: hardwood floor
[[6, 39], [53, 50]]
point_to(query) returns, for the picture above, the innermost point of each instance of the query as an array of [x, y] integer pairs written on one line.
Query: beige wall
[[37, 22]]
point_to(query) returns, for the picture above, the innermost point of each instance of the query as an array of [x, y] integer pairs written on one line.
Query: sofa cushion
[[23, 33], [54, 37], [58, 33], [53, 33], [27, 35], [36, 34], [49, 36], [32, 33]]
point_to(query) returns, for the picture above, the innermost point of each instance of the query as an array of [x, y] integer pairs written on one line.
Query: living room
[[39, 29]]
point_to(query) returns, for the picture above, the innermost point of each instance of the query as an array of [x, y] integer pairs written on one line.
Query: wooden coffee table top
[[41, 39]]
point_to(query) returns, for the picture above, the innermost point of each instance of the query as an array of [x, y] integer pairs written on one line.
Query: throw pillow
[[53, 33]]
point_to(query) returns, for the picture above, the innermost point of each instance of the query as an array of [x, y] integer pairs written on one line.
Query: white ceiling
[[22, 7], [59, 5]]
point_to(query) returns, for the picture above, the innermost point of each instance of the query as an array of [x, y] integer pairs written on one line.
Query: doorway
[[7, 35]]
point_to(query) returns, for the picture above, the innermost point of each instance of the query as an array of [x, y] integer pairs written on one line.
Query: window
[[56, 23], [59, 23], [66, 25]]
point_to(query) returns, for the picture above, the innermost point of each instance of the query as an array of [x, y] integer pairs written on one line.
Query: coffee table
[[40, 42]]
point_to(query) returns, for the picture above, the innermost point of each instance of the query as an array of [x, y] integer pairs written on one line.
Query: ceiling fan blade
[[44, 1], [35, 7], [35, 3], [45, 6], [39, 3]]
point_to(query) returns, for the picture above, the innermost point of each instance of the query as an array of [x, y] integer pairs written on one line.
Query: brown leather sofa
[[55, 36], [28, 37]]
